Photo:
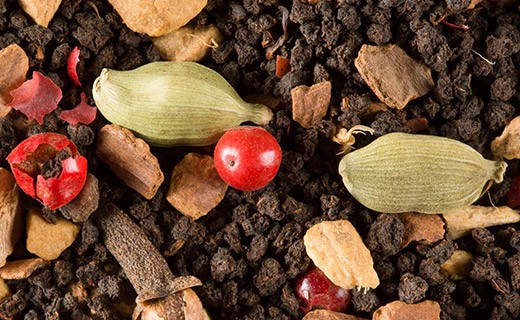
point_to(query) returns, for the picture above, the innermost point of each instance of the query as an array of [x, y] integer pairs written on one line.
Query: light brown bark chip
[[85, 203], [13, 71], [337, 249], [458, 265], [508, 144], [188, 43], [130, 159], [195, 186], [394, 76], [41, 11], [10, 215], [310, 104], [157, 17], [4, 290], [398, 310], [164, 308], [46, 240], [422, 228], [329, 315], [21, 269], [459, 223]]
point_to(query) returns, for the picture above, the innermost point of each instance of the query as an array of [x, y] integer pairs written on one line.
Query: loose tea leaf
[[401, 172], [10, 215], [398, 310], [13, 71], [460, 222], [21, 269], [188, 43], [507, 145], [393, 75], [310, 104], [174, 103], [85, 203], [337, 249], [458, 265]]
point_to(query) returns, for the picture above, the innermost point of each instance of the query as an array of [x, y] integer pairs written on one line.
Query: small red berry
[[247, 158], [316, 291]]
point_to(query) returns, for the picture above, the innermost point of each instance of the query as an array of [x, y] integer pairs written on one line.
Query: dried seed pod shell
[[174, 103], [337, 249], [402, 172]]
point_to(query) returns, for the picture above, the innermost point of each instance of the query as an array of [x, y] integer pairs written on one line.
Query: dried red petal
[[36, 97], [72, 64], [283, 66], [83, 113], [54, 192], [513, 195]]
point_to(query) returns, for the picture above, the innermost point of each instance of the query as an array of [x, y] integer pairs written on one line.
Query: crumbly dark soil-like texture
[[249, 249]]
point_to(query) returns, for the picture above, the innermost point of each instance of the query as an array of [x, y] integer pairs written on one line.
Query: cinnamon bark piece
[[41, 11], [394, 76], [10, 215], [85, 203], [157, 17], [4, 290], [13, 71], [422, 228], [458, 265], [47, 240], [130, 159], [398, 310], [195, 186], [507, 145], [310, 104], [329, 315], [21, 269]]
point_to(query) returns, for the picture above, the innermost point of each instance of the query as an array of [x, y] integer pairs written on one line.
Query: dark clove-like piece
[[146, 268]]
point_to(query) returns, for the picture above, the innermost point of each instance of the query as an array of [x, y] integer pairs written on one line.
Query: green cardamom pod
[[402, 172], [174, 103]]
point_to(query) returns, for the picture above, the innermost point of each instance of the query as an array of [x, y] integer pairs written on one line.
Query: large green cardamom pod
[[402, 172], [174, 103]]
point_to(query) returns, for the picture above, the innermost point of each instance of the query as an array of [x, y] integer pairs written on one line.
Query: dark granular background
[[249, 249]]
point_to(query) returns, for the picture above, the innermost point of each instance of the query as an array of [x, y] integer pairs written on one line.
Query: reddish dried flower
[[83, 113], [49, 168], [36, 97], [72, 64]]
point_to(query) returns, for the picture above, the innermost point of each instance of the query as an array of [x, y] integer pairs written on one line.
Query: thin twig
[[483, 58], [455, 26]]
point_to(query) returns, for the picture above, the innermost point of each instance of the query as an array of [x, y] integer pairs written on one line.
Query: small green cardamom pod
[[174, 103], [402, 172]]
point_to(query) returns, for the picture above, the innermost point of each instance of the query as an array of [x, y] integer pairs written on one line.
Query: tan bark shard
[[130, 159], [459, 223], [21, 269], [507, 145], [394, 76], [4, 290], [310, 104], [13, 72], [158, 17], [46, 240], [188, 43], [195, 186], [398, 310], [10, 215], [422, 228], [41, 11], [458, 265], [329, 315]]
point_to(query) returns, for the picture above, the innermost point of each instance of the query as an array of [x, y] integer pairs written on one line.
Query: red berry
[[316, 291], [247, 158]]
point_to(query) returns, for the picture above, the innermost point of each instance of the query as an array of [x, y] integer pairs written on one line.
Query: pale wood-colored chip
[[421, 228], [195, 186], [13, 72], [85, 203], [4, 290], [157, 17], [21, 269], [507, 145], [398, 310], [166, 308], [473, 4], [459, 223], [47, 240], [188, 43], [130, 159], [41, 11], [10, 215], [458, 265], [337, 249], [329, 315], [310, 104], [393, 75]]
